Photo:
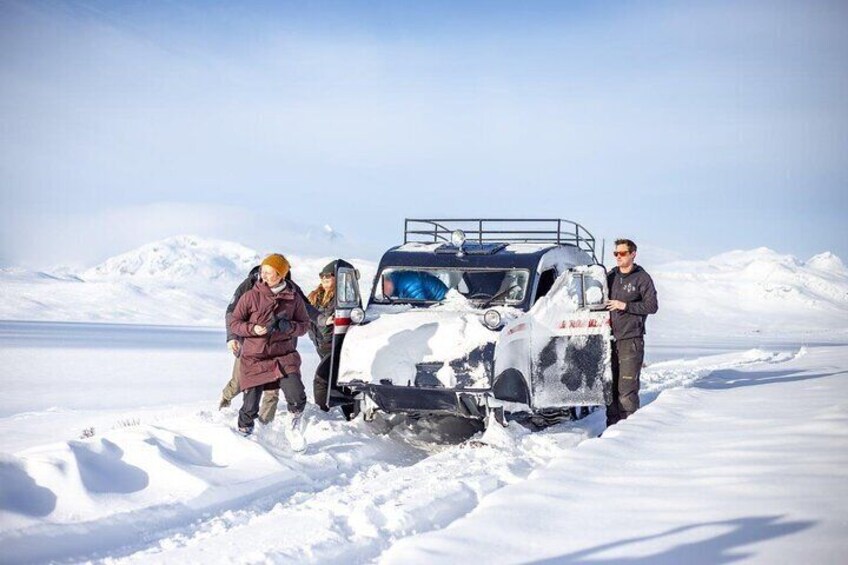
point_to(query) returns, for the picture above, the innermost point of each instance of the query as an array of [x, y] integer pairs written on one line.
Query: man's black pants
[[627, 357]]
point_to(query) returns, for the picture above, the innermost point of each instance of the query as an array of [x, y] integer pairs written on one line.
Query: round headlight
[[458, 237], [357, 315], [492, 319]]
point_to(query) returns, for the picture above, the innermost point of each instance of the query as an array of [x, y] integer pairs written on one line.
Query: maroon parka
[[266, 358]]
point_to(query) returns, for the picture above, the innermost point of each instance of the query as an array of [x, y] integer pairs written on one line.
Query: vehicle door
[[347, 298], [570, 351]]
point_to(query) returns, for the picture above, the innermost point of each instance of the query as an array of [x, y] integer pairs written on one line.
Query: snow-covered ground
[[738, 453], [748, 463], [112, 448]]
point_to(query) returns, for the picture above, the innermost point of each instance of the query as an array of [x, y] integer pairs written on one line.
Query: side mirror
[[347, 288], [593, 288]]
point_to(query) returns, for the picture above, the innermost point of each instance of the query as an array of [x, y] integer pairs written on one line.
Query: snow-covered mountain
[[182, 280], [758, 291], [180, 258], [187, 280]]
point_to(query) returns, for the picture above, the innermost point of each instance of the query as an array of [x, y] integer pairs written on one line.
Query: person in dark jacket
[[416, 285], [323, 299], [632, 297], [268, 317], [270, 398]]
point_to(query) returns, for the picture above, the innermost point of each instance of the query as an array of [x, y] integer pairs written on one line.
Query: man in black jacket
[[270, 396], [632, 297]]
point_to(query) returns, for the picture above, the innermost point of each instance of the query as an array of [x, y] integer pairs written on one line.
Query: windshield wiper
[[500, 295]]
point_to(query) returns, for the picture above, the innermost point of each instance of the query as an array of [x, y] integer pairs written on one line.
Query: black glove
[[283, 325]]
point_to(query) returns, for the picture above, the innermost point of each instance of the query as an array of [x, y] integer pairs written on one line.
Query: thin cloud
[[703, 115], [83, 240]]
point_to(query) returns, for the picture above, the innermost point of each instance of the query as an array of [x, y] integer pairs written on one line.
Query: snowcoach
[[519, 328]]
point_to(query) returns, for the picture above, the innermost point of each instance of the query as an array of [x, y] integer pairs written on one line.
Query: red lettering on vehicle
[[590, 323]]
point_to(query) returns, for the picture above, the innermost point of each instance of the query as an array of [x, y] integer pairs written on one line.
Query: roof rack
[[493, 230]]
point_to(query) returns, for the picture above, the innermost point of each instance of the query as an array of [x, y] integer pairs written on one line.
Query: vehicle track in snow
[[355, 519], [351, 450], [348, 498], [344, 451]]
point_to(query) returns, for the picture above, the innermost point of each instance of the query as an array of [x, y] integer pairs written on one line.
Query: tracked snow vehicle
[[514, 323]]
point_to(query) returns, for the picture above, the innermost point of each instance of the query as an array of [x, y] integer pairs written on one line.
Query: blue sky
[[693, 128]]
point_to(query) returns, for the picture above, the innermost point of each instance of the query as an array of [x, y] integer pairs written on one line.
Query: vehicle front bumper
[[406, 399]]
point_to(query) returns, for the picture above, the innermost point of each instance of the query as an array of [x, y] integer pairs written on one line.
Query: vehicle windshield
[[415, 285]]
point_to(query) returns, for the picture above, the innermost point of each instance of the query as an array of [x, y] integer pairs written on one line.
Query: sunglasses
[[620, 253], [324, 277]]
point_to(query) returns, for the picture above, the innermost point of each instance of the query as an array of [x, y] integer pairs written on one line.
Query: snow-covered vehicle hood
[[446, 345]]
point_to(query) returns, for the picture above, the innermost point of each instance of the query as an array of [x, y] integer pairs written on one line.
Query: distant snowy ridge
[[756, 291], [182, 280], [179, 258], [827, 261], [188, 280], [762, 260]]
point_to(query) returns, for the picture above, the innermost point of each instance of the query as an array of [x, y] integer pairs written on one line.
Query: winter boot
[[294, 431]]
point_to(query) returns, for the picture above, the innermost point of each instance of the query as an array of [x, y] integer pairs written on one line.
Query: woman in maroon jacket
[[268, 317]]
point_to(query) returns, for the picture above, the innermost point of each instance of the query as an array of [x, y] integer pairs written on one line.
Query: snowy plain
[[113, 448]]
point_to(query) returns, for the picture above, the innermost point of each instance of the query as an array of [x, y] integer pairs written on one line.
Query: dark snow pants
[[293, 391], [627, 357], [321, 383]]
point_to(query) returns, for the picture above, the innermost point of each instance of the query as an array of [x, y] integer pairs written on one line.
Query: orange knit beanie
[[278, 263]]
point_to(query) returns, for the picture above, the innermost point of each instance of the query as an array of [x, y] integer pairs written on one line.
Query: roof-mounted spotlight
[[458, 238]]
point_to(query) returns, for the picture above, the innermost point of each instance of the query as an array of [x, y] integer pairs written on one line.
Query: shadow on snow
[[721, 548]]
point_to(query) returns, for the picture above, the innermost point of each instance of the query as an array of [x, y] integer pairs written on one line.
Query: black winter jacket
[[636, 288], [320, 333], [246, 285]]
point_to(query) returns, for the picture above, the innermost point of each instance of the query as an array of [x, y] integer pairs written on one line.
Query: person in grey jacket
[[632, 297]]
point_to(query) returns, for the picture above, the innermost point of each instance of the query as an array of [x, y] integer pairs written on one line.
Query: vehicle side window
[[546, 281]]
